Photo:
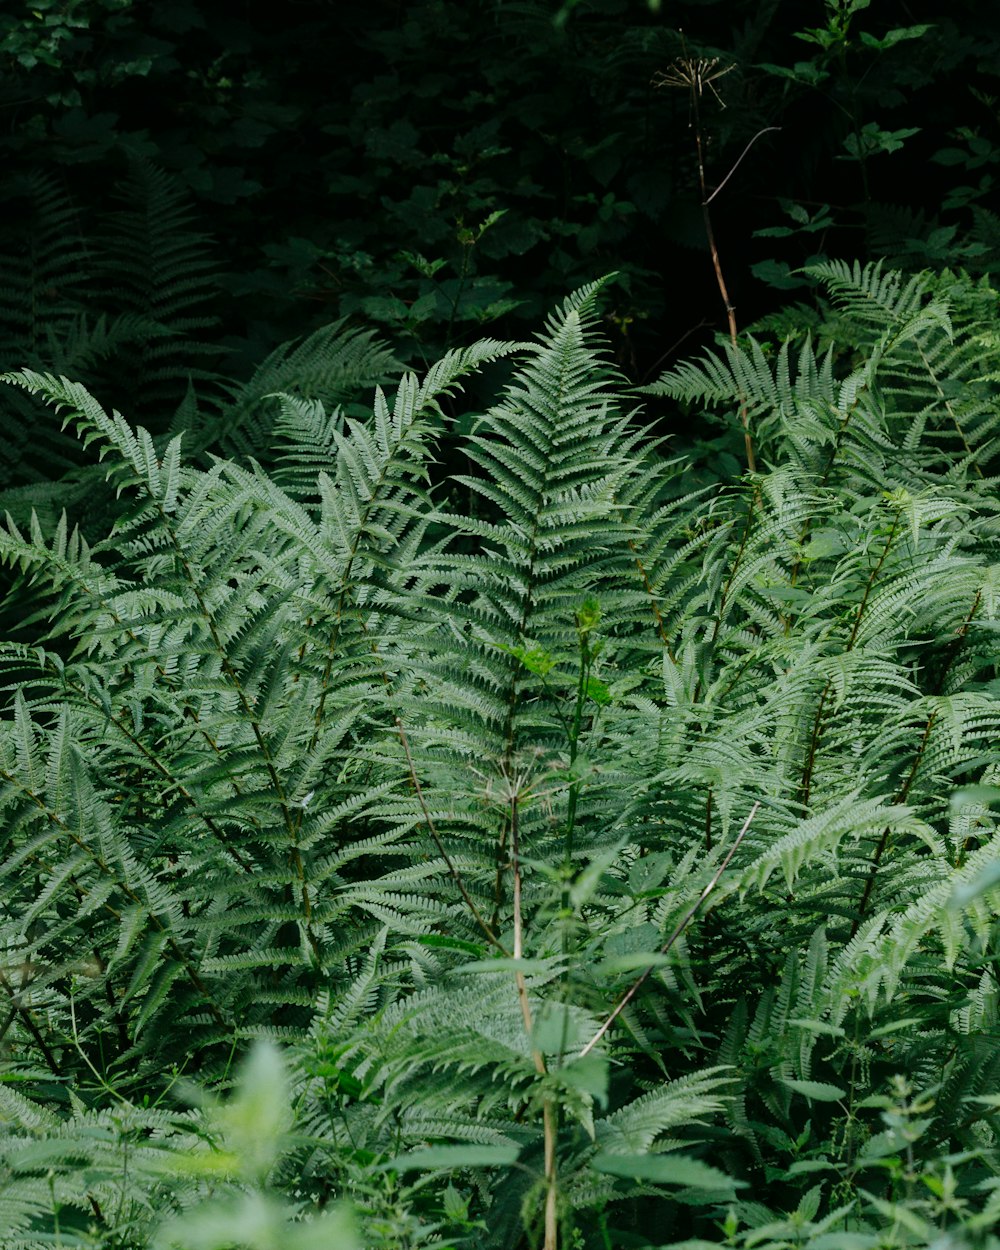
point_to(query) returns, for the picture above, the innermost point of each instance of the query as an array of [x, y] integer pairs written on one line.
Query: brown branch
[[739, 160]]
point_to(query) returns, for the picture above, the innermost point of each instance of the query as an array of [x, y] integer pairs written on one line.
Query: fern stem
[[527, 604], [19, 1009], [883, 841], [574, 750], [948, 408], [904, 790], [549, 1118], [822, 482], [720, 278], [661, 628], [226, 664], [161, 673], [727, 588], [956, 642], [518, 923], [872, 578], [342, 596], [174, 783], [805, 786]]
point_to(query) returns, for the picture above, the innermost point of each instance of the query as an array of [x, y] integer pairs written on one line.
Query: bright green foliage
[[616, 863]]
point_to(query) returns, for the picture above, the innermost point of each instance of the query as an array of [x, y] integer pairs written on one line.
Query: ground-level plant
[[614, 861]]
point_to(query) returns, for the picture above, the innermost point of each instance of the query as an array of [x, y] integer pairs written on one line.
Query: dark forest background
[[439, 170]]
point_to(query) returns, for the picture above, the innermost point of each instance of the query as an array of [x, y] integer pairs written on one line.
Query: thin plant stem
[[549, 1121], [739, 161], [682, 924], [695, 74], [720, 277]]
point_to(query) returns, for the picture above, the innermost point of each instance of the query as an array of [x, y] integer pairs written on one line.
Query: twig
[[739, 159], [672, 348], [681, 926], [549, 1124]]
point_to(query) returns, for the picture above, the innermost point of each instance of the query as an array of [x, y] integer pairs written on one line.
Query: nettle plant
[[615, 864]]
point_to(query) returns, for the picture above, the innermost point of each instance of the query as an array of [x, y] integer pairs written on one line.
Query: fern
[[590, 848], [48, 314]]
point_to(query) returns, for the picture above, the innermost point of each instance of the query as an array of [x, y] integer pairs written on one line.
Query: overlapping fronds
[[591, 845]]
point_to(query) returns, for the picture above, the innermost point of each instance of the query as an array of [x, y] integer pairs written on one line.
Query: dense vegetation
[[438, 809], [440, 165]]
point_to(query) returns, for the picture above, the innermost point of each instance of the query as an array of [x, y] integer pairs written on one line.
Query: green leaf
[[589, 1075], [555, 1030], [896, 1026], [445, 1158], [257, 1118], [818, 1026], [439, 941], [818, 1091], [974, 796], [665, 1169], [804, 1166], [893, 37], [631, 960], [872, 139], [598, 691], [535, 659], [506, 965]]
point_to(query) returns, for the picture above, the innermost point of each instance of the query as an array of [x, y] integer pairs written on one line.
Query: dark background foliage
[[433, 168]]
